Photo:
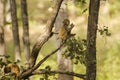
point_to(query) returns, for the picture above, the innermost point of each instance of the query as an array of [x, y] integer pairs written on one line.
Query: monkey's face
[[66, 22], [7, 69]]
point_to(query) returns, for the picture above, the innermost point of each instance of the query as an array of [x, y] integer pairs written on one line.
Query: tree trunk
[[2, 41], [91, 40], [63, 64], [26, 40], [15, 30], [7, 15]]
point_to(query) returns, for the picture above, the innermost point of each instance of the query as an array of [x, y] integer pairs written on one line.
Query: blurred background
[[108, 47]]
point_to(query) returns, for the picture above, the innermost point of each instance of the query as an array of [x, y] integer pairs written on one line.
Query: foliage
[[104, 31], [76, 50], [109, 67], [3, 75], [2, 64], [47, 73]]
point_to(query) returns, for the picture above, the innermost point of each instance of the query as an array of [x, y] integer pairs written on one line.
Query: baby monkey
[[63, 31], [12, 69]]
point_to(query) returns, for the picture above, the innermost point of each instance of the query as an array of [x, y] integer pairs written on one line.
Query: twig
[[83, 76]]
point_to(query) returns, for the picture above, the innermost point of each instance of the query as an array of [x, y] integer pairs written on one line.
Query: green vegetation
[[108, 48]]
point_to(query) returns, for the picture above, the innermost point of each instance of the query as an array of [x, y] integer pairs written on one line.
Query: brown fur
[[12, 68], [63, 33]]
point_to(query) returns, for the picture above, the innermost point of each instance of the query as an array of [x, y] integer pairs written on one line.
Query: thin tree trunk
[[26, 40], [63, 64], [91, 40], [7, 15], [2, 41], [15, 30]]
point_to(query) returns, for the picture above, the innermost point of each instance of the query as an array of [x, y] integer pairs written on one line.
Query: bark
[[2, 41], [63, 64], [26, 40], [15, 30], [91, 40]]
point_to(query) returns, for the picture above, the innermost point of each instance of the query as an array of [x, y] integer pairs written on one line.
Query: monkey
[[63, 31], [12, 68]]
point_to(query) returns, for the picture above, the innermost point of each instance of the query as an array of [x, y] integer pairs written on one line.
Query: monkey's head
[[7, 69], [66, 22], [12, 68]]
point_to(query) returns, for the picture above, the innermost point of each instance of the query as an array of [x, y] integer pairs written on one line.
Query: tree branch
[[59, 72], [42, 39], [45, 35], [29, 71]]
